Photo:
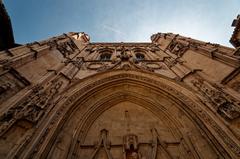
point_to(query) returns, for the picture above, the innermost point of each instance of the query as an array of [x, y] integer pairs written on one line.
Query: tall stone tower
[[174, 97]]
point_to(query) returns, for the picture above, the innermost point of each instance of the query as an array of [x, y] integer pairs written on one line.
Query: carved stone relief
[[153, 65], [157, 142], [226, 107], [228, 141], [65, 48], [131, 147], [177, 48], [154, 48], [10, 83], [96, 66], [103, 141], [125, 60], [31, 108], [4, 87]]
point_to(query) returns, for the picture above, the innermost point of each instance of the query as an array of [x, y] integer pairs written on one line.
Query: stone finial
[[82, 37], [235, 39]]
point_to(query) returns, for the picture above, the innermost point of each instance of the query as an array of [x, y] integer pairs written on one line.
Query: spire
[[6, 32]]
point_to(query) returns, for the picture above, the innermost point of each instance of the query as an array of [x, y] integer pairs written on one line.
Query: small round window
[[105, 56], [140, 56]]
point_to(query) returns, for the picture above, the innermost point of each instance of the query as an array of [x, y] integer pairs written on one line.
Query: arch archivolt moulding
[[107, 102], [103, 104], [79, 92]]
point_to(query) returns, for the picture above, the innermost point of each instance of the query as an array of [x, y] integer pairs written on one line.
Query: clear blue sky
[[123, 20]]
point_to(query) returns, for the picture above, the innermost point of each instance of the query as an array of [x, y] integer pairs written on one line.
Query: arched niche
[[181, 120]]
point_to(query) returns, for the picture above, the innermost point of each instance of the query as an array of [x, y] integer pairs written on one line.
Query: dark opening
[[105, 57], [140, 56]]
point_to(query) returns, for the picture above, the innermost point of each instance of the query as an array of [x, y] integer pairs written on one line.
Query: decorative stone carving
[[130, 141], [95, 66], [153, 65], [229, 110], [156, 141], [30, 108], [4, 87], [124, 56], [78, 62], [52, 43], [66, 48], [230, 143], [154, 48], [103, 141], [90, 49], [177, 48], [35, 108], [170, 62], [224, 106], [11, 82]]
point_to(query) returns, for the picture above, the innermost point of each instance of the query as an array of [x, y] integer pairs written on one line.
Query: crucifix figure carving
[[130, 141]]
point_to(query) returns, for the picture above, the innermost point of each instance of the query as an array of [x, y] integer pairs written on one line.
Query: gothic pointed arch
[[67, 97], [167, 121]]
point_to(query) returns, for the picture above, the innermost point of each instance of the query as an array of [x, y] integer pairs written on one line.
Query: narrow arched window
[[105, 56], [139, 56]]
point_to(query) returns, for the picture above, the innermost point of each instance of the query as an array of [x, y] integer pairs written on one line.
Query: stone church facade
[[174, 97]]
